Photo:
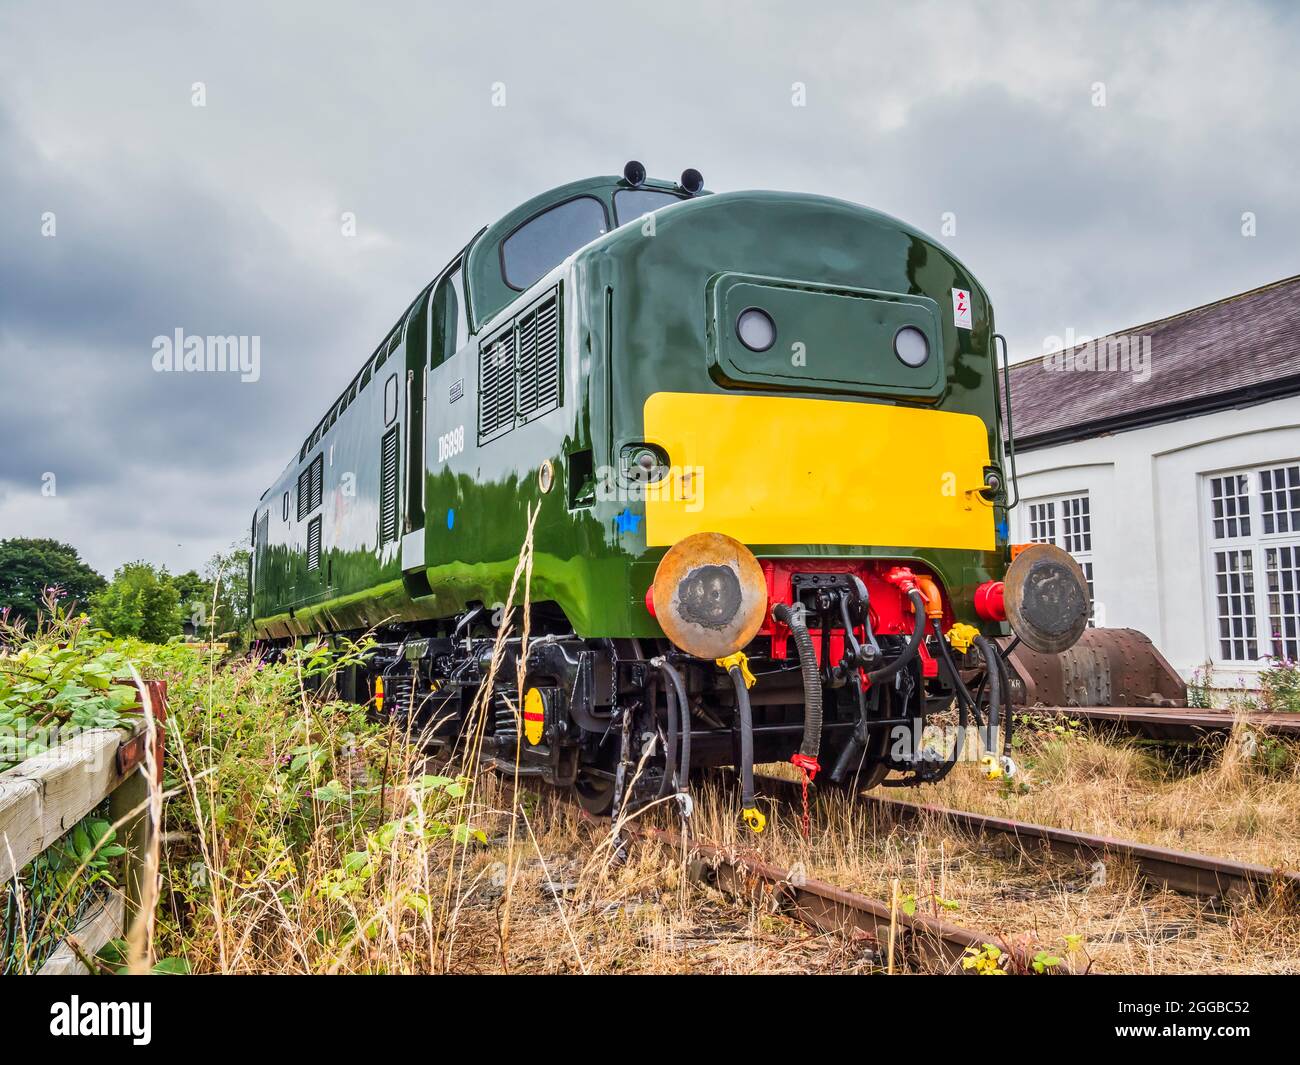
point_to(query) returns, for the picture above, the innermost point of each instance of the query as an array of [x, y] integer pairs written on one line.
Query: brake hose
[[1006, 695], [674, 679], [737, 668], [810, 748], [964, 697], [853, 748], [667, 785], [992, 668], [876, 676]]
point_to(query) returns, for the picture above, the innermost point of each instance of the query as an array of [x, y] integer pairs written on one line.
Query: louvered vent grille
[[263, 529], [539, 359], [313, 544], [311, 487], [388, 487], [496, 385], [519, 370]]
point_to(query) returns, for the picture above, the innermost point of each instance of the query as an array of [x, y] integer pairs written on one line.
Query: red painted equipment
[[988, 601]]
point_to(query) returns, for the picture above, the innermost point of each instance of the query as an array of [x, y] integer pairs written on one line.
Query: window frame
[[501, 244], [675, 198], [1256, 543]]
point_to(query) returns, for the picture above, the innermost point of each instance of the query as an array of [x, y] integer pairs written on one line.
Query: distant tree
[[28, 567], [141, 601], [195, 598], [227, 571]]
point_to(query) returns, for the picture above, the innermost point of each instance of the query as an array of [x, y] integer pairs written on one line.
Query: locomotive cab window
[[631, 204], [449, 313], [545, 240]]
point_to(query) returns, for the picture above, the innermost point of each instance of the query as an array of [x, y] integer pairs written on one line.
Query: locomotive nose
[[709, 595]]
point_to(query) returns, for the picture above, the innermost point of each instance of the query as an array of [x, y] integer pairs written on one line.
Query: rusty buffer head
[[1047, 600], [710, 595]]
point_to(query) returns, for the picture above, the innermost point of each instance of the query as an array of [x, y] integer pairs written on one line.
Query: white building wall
[[1151, 550]]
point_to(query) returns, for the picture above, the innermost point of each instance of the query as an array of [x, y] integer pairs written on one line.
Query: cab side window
[[452, 327], [545, 240]]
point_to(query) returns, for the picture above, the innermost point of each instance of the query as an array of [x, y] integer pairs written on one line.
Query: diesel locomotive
[[759, 436]]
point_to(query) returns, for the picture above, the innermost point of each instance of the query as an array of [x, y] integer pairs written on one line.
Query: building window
[[1076, 525], [1073, 533], [1234, 592], [1279, 499], [1282, 572], [1254, 526], [1230, 506], [1042, 523]]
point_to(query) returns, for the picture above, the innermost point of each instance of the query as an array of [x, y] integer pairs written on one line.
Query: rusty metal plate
[[1047, 598], [709, 594], [1106, 667]]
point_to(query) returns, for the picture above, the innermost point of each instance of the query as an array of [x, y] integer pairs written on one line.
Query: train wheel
[[595, 794]]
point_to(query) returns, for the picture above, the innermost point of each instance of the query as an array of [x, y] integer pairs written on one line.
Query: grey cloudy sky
[[225, 219]]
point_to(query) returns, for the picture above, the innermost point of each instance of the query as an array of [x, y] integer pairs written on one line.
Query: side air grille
[[313, 544], [496, 385], [539, 359], [519, 370], [388, 454], [311, 487]]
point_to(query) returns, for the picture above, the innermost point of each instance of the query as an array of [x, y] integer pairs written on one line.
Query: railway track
[[1173, 724], [1181, 871], [896, 936], [826, 908]]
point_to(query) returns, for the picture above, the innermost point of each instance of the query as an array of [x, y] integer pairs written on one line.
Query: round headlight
[[911, 346], [756, 329]]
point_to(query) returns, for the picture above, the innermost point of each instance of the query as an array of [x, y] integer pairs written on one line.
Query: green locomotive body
[[647, 363]]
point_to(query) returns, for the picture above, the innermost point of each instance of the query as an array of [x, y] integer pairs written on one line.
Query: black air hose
[[884, 673], [964, 697], [966, 703], [1006, 695], [668, 785], [749, 808], [812, 681], [678, 688], [993, 670]]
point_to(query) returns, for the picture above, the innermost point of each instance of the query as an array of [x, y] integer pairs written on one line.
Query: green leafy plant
[[1281, 685], [908, 904], [59, 678]]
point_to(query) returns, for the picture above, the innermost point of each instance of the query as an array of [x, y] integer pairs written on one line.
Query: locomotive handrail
[[1010, 444]]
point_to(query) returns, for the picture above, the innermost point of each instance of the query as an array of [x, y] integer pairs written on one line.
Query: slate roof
[[1240, 350]]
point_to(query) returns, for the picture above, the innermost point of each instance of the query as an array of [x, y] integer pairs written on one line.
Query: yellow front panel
[[777, 470]]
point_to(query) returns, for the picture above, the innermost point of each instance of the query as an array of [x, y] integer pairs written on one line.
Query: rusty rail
[[827, 908], [1181, 871], [1173, 724]]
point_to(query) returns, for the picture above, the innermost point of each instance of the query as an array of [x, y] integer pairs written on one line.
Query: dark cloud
[[226, 219]]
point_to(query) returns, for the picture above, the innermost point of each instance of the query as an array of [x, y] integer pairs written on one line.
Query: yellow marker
[[747, 484], [738, 659], [379, 695], [961, 636], [754, 819], [534, 716]]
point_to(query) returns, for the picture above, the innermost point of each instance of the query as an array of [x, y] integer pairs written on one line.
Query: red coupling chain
[[808, 764]]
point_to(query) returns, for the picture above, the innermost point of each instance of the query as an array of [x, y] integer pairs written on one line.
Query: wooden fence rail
[[42, 798]]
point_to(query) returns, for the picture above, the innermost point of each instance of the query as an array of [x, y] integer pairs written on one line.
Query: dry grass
[[539, 894], [1098, 917], [1236, 803]]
